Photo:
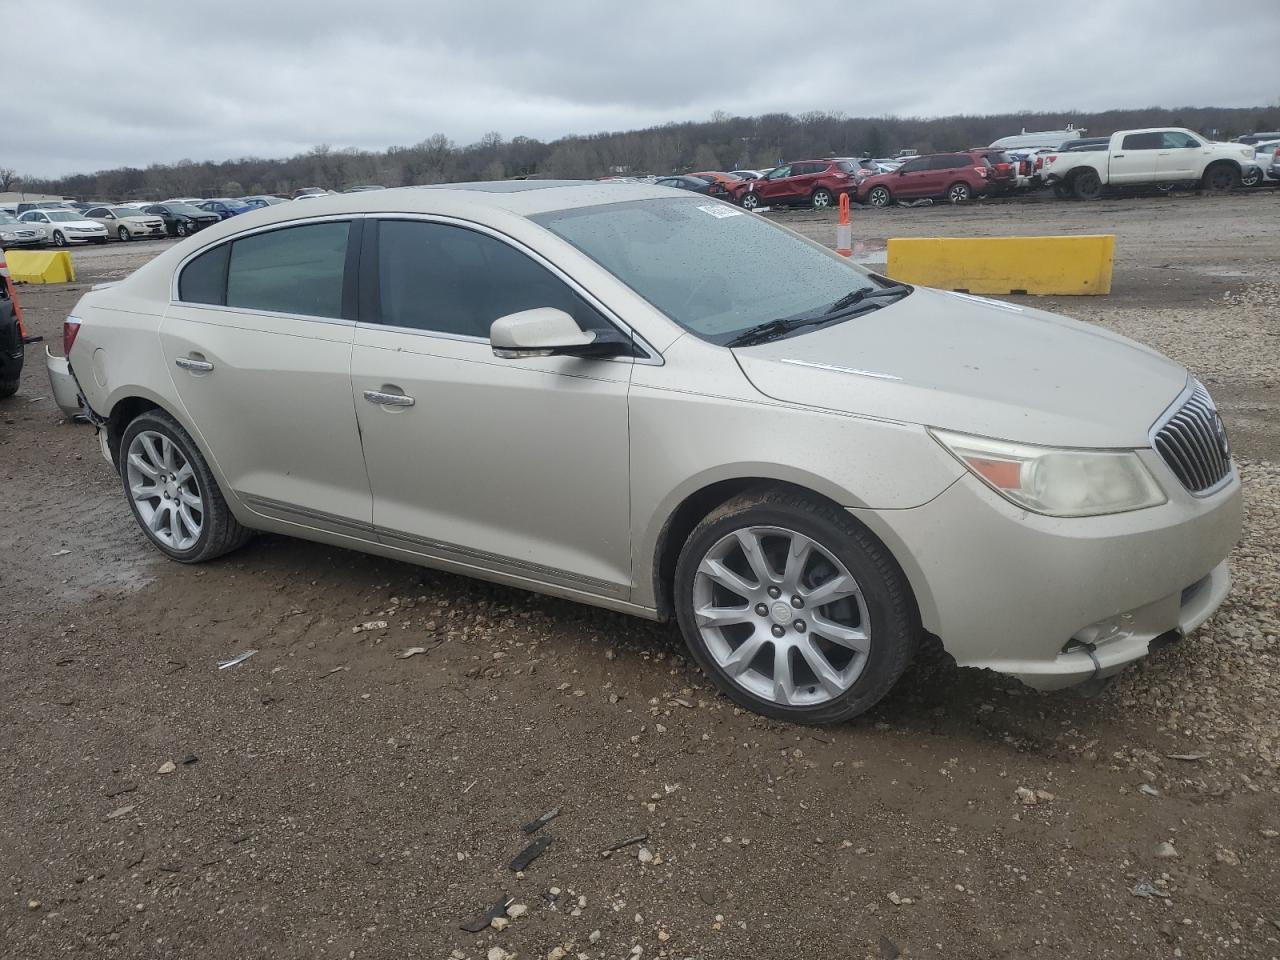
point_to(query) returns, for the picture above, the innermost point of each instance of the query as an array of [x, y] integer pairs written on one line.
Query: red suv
[[817, 183], [955, 176]]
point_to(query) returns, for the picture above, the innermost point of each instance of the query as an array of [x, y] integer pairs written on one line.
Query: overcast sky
[[134, 82]]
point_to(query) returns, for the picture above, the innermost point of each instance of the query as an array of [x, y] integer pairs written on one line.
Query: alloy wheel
[[750, 201], [781, 616], [165, 491], [181, 229], [879, 197], [58, 239], [123, 234], [958, 193], [821, 199]]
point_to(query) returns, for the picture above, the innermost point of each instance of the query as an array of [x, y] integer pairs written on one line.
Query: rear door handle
[[388, 399], [199, 366]]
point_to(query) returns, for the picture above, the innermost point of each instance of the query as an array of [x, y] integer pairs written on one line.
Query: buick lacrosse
[[661, 404]]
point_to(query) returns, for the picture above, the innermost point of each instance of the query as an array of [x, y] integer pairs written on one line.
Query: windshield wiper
[[855, 302]]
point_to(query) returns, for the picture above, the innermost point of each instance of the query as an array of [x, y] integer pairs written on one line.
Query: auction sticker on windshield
[[719, 210]]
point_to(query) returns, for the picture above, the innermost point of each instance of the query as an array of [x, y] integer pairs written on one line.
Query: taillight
[[980, 171], [70, 328], [1002, 168], [1039, 163]]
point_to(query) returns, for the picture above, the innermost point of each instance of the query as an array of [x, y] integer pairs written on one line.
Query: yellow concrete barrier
[[1040, 265], [40, 266]]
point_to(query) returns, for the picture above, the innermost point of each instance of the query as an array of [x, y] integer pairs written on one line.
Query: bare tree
[[8, 177]]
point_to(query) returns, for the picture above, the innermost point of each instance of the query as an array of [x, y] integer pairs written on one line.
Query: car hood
[[977, 366]]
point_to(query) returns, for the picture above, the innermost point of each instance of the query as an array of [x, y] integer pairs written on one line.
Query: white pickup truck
[[1159, 158]]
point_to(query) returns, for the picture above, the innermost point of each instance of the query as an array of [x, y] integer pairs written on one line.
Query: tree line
[[722, 143]]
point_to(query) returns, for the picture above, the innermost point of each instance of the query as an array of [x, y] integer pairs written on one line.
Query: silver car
[[660, 404]]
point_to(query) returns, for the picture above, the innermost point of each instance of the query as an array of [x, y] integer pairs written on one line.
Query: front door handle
[[199, 366], [388, 399]]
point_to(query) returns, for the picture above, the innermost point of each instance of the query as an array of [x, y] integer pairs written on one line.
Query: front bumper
[[1029, 595], [66, 392], [21, 242]]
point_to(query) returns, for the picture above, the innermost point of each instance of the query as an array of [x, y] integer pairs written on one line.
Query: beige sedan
[[128, 223]]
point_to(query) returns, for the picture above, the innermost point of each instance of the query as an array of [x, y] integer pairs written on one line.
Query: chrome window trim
[[652, 358]]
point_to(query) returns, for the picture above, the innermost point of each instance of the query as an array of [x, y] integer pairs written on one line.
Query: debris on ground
[[1030, 798], [410, 652], [1150, 890], [167, 768], [612, 848], [238, 658], [531, 853], [533, 826], [497, 910], [1167, 851], [369, 625], [122, 811]]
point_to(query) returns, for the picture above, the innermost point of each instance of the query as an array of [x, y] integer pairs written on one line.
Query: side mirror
[[548, 332]]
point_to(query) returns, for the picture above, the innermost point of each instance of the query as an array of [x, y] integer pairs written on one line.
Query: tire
[[123, 234], [822, 198], [1086, 185], [750, 200], [155, 440], [1062, 191], [1251, 178], [180, 229], [1220, 178], [959, 192], [810, 677], [879, 197], [58, 239]]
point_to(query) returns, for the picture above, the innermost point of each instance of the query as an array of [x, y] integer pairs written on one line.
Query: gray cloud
[[156, 81]]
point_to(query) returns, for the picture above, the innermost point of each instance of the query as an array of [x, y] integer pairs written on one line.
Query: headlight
[[1060, 482], [8, 236]]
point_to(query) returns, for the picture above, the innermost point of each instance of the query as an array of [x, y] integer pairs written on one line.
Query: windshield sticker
[[719, 210]]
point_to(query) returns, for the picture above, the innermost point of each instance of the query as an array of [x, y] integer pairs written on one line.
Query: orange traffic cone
[[844, 231]]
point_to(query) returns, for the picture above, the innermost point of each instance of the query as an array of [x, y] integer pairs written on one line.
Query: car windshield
[[186, 208], [63, 216], [712, 268]]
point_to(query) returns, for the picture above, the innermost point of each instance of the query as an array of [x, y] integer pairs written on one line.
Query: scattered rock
[[33, 904], [499, 923], [497, 953], [1148, 789], [898, 901], [517, 910], [1270, 834], [1229, 857], [120, 812], [1166, 851], [1030, 798], [1148, 891], [594, 936], [644, 855], [369, 625], [410, 652], [167, 768]]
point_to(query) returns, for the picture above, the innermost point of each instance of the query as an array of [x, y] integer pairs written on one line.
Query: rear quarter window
[[204, 279]]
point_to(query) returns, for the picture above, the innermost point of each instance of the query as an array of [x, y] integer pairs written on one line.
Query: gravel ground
[[345, 803]]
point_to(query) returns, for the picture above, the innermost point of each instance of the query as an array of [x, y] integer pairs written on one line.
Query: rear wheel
[[750, 201], [1086, 185], [879, 197], [958, 192], [794, 610], [1221, 178], [123, 234], [1062, 191], [172, 492], [822, 198]]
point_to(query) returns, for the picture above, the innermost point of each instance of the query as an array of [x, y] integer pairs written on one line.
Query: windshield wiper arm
[[864, 297]]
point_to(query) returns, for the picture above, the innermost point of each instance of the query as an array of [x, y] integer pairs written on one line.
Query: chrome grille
[[1193, 442]]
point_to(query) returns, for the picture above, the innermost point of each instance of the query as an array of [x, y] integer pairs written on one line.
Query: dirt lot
[[341, 802]]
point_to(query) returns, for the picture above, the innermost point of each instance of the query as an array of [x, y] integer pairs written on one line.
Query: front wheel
[[1251, 177], [172, 492], [1221, 179], [822, 198], [58, 239], [750, 201], [958, 192], [879, 197], [123, 234], [180, 229], [793, 609]]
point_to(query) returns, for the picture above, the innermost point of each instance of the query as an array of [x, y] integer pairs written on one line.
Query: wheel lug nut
[[762, 610], [778, 631], [797, 602], [775, 592], [800, 627]]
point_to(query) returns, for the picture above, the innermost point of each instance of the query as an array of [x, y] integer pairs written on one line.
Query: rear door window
[[1143, 141], [296, 270]]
